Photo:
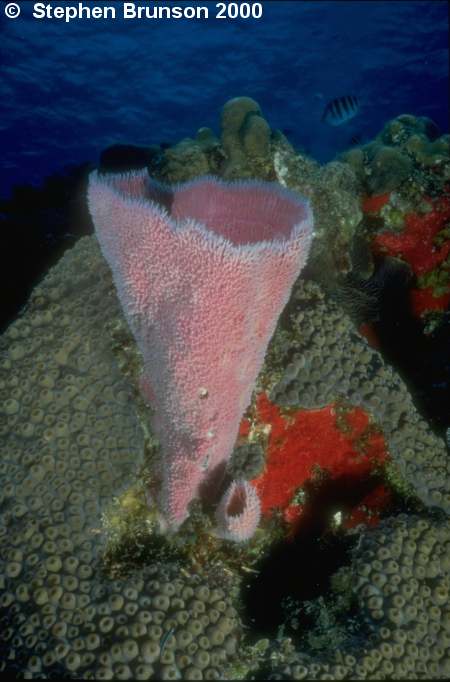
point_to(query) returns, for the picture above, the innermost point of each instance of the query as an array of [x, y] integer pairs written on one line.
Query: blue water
[[69, 90]]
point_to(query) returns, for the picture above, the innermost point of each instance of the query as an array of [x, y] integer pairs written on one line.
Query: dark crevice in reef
[[421, 359], [37, 225], [299, 570]]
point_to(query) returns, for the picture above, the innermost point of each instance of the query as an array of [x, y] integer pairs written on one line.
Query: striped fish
[[340, 110]]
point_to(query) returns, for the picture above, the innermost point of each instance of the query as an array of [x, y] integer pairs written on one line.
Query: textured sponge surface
[[203, 272]]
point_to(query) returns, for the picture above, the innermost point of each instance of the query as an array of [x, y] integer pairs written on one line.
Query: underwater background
[[69, 90], [214, 467]]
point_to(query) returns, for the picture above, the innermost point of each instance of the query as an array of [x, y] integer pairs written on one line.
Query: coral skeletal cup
[[202, 271]]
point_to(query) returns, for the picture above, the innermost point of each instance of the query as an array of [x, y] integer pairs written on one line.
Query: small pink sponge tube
[[202, 271], [238, 512]]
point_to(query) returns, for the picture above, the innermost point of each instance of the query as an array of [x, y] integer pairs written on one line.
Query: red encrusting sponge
[[301, 441]]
